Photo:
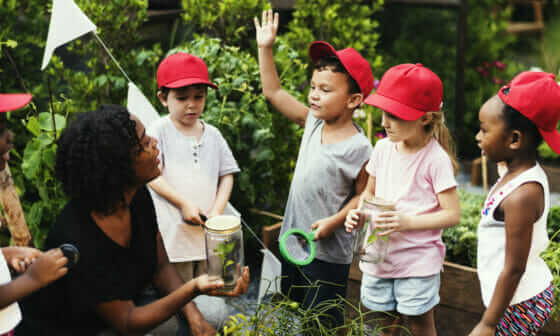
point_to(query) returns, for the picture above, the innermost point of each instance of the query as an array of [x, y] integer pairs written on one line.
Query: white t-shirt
[[11, 315], [492, 242], [193, 169]]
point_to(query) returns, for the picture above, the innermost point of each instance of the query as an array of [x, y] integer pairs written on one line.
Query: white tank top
[[492, 243]]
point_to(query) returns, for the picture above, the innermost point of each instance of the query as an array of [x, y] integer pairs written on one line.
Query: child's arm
[[521, 209], [48, 267], [284, 102], [326, 226], [352, 221], [189, 211], [222, 195], [448, 215]]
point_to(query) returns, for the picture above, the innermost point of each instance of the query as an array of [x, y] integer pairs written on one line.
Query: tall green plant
[[343, 23], [229, 20]]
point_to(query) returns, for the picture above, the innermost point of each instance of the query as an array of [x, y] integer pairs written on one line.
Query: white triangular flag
[[140, 106], [271, 273], [68, 22]]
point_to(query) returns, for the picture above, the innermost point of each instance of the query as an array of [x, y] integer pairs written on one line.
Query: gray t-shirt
[[323, 183]]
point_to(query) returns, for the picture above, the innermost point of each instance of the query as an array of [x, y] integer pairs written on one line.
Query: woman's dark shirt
[[105, 272]]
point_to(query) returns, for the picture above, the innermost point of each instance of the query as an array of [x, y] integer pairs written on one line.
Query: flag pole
[[111, 55]]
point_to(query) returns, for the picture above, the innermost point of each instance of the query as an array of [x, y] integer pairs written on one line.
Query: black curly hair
[[95, 157], [333, 64]]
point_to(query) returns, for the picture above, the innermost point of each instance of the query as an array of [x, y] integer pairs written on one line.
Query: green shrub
[[429, 36], [229, 20], [343, 23]]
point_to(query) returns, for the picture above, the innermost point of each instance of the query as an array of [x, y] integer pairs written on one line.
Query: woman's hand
[[48, 267], [211, 285], [391, 221], [353, 221], [266, 34], [482, 329]]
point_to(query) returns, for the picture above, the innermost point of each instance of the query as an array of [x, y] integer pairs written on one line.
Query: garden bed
[[460, 306]]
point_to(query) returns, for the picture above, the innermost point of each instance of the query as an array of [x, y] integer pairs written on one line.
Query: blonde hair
[[439, 131]]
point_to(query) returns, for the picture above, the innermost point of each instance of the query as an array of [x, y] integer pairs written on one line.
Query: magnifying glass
[[297, 246]]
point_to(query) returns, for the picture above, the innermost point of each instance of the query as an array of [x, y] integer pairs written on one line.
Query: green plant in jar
[[225, 252]]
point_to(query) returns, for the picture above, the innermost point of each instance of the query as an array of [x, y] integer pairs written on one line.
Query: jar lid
[[223, 223], [380, 203]]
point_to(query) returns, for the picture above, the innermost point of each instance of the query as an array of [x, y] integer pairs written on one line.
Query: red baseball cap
[[536, 95], [182, 69], [13, 101], [408, 91], [357, 66]]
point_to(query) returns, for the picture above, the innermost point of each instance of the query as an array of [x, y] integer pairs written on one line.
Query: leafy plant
[[224, 251], [229, 20], [343, 23]]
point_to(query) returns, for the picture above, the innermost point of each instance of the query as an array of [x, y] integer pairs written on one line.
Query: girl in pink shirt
[[413, 168]]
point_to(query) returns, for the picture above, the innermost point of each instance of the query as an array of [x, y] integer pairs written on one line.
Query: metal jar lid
[[223, 224], [380, 203]]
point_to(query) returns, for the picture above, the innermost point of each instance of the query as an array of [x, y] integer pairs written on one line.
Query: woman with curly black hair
[[104, 159]]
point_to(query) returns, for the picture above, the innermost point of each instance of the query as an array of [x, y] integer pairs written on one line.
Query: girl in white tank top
[[516, 283]]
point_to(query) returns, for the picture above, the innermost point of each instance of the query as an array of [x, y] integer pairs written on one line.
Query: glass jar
[[368, 245], [224, 249]]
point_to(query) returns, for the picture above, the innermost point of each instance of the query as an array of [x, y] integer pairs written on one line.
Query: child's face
[[6, 138], [328, 96], [493, 135], [185, 104], [398, 129]]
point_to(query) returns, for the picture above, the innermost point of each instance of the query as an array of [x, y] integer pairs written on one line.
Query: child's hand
[[266, 34], [191, 214], [391, 221], [353, 221], [19, 257], [48, 267], [482, 329], [324, 228]]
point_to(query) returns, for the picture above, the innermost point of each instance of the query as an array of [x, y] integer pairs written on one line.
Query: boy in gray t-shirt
[[330, 172]]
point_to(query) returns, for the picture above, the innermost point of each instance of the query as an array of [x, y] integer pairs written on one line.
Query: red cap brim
[[13, 101], [189, 81], [552, 138], [393, 107], [319, 49]]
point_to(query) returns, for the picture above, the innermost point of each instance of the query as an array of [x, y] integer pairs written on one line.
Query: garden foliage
[[429, 36]]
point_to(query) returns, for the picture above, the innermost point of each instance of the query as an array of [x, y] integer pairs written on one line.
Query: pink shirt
[[412, 182]]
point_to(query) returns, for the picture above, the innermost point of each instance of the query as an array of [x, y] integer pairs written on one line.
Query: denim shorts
[[408, 296]]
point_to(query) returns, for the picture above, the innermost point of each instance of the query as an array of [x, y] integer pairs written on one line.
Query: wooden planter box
[[460, 307]]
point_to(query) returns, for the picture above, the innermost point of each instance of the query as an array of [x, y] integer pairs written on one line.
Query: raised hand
[[48, 267], [266, 31]]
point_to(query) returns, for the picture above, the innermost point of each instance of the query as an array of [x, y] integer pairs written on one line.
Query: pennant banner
[[140, 106], [271, 273], [68, 22]]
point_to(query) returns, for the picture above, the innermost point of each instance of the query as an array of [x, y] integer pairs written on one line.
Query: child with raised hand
[[515, 282], [37, 269], [414, 169], [330, 173], [196, 162]]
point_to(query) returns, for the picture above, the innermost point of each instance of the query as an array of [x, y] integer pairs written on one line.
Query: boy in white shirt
[[196, 162]]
